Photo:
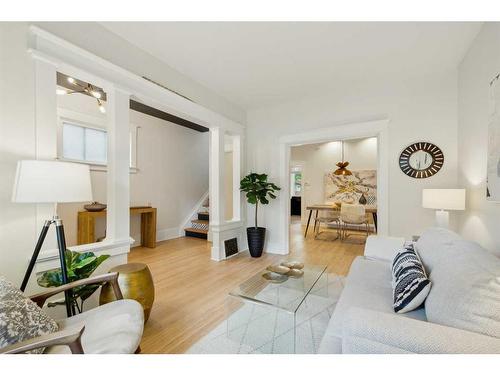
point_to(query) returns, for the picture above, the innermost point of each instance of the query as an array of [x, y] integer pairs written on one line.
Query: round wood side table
[[135, 282]]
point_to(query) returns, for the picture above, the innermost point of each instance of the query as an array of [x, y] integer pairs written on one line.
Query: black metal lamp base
[[61, 244]]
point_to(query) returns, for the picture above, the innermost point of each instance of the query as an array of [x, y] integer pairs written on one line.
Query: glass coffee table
[[266, 317]]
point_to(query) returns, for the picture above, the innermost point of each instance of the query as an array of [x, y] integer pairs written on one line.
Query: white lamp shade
[[40, 181], [444, 199]]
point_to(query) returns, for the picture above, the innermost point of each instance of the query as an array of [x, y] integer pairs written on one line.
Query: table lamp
[[39, 181], [443, 200]]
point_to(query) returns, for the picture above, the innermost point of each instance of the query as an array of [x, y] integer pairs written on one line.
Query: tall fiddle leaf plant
[[258, 190], [78, 266]]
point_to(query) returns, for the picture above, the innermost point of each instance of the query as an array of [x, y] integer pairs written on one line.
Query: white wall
[[423, 109], [18, 229], [480, 222], [317, 159], [172, 172]]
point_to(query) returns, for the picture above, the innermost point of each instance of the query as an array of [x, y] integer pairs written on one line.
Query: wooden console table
[[86, 224]]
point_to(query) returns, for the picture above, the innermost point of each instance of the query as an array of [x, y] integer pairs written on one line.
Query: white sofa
[[461, 313]]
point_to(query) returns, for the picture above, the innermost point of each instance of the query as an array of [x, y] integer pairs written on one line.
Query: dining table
[[372, 209]]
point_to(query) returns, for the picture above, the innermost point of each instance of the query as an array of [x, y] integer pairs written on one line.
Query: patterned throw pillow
[[409, 280], [20, 318]]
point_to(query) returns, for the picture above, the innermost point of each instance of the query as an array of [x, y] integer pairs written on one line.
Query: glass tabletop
[[287, 295]]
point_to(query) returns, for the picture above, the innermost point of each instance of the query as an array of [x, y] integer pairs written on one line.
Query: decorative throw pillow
[[409, 280], [20, 318]]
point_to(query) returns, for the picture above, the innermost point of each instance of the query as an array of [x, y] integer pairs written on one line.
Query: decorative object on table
[[362, 199], [282, 270], [295, 273], [258, 190], [136, 282], [95, 207], [349, 189], [421, 160], [275, 278], [293, 264], [54, 182], [79, 266], [443, 200], [493, 165], [342, 166]]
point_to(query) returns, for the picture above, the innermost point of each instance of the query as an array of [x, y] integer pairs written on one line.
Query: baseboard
[[161, 235]]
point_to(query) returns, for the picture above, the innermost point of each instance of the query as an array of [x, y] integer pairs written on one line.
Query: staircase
[[199, 225]]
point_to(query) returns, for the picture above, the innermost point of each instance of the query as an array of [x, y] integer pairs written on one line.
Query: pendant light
[[342, 166]]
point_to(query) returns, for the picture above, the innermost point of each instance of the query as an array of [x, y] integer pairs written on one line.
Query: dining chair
[[352, 214], [327, 217]]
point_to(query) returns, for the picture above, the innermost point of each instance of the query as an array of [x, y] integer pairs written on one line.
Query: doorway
[[377, 129]]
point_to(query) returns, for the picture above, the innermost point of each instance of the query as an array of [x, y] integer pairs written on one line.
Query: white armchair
[[114, 328]]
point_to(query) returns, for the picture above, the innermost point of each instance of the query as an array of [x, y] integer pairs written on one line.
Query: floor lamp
[[53, 182]]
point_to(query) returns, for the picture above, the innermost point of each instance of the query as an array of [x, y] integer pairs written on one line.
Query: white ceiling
[[260, 64]]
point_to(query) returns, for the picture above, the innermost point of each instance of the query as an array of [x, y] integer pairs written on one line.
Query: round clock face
[[421, 160]]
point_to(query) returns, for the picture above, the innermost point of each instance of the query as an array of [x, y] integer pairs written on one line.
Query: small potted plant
[[78, 266], [258, 190]]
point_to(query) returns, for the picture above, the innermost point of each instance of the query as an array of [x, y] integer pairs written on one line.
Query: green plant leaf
[[78, 266]]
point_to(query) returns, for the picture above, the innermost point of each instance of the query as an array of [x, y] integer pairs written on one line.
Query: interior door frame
[[345, 131]]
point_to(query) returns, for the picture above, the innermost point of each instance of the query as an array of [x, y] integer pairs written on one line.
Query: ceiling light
[[342, 166], [61, 92], [71, 80], [96, 94], [102, 108]]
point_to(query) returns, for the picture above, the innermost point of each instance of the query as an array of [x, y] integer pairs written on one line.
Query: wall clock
[[421, 160]]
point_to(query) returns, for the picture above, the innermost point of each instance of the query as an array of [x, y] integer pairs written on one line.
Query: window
[[84, 144], [84, 139]]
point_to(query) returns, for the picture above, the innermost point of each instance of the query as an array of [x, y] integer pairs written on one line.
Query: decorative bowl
[[278, 269], [293, 264], [275, 278], [295, 273], [95, 207]]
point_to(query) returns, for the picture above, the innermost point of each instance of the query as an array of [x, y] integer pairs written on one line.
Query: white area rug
[[256, 329]]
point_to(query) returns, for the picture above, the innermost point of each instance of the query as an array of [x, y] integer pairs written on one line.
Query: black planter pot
[[256, 238]]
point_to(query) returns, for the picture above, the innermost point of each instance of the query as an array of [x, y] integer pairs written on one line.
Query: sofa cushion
[[20, 318], [435, 245], [409, 280], [466, 290], [368, 286], [115, 327]]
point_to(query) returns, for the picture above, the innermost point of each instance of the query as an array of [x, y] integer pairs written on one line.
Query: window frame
[[95, 123]]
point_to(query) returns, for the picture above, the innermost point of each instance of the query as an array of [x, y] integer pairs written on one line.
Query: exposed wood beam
[[136, 106]]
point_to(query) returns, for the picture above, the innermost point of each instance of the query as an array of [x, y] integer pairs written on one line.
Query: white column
[[118, 179], [45, 135], [216, 179], [237, 167], [216, 182]]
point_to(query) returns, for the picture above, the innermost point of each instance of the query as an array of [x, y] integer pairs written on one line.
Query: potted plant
[[258, 190], [78, 266]]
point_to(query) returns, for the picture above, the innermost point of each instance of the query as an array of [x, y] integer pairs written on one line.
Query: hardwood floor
[[191, 289]]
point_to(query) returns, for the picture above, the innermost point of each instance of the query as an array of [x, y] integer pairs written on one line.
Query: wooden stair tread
[[196, 230], [198, 221]]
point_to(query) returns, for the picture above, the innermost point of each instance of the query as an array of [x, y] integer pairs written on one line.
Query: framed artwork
[[349, 189]]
